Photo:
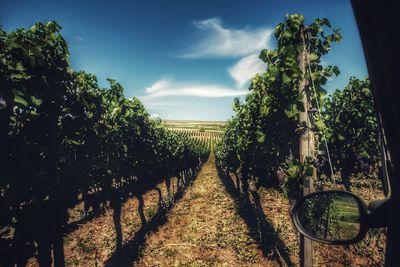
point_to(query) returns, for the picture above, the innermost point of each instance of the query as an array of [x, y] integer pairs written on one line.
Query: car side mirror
[[332, 217]]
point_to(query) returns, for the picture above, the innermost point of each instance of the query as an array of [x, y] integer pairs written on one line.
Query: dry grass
[[204, 229], [368, 252], [207, 227]]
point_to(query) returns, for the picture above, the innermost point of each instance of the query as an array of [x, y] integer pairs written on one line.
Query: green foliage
[[265, 128], [352, 128], [62, 136], [290, 176]]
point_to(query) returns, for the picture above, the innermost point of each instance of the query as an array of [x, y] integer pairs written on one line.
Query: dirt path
[[203, 229]]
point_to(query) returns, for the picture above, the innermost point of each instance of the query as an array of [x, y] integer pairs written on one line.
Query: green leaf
[[293, 171], [366, 91], [364, 154], [264, 55], [313, 57], [299, 48], [37, 51], [273, 70], [336, 70], [260, 136], [20, 100], [289, 51], [296, 20], [236, 104], [320, 125], [264, 110], [33, 113], [287, 35], [36, 101], [292, 111], [286, 79], [20, 76], [337, 36], [19, 67], [73, 142], [326, 22]]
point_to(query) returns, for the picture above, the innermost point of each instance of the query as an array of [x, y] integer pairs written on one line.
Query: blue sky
[[183, 59]]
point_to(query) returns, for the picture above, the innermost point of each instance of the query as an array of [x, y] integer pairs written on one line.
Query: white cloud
[[216, 41], [164, 88], [159, 85], [219, 41], [245, 69], [157, 104]]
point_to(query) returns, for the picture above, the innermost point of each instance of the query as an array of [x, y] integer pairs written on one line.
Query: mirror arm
[[379, 213]]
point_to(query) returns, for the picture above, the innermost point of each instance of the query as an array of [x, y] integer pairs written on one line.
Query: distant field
[[207, 132], [195, 125]]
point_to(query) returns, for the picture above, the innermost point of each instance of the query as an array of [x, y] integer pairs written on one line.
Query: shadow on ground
[[20, 249], [261, 229], [130, 252]]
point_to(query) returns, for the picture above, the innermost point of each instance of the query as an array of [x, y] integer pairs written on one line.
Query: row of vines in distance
[[207, 138]]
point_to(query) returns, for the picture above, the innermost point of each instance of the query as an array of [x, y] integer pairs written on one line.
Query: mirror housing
[[341, 215]]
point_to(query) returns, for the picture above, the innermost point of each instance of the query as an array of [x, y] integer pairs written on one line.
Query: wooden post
[[306, 149]]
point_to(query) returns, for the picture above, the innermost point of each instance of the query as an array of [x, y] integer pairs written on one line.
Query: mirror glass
[[330, 216]]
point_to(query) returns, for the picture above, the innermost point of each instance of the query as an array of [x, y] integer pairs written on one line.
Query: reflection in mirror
[[330, 216]]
